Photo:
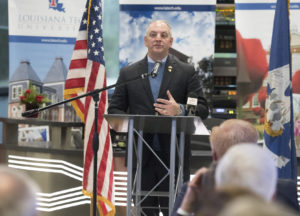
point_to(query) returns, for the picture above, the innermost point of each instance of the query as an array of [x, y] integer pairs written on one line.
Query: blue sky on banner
[[192, 21], [278, 125]]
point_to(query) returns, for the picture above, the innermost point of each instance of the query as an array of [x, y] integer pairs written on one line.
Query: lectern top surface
[[157, 124]]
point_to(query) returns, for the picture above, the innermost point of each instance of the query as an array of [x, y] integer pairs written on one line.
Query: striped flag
[[86, 73], [279, 132]]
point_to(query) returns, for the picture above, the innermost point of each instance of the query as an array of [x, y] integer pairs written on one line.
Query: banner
[[192, 25], [254, 25], [41, 38], [42, 34]]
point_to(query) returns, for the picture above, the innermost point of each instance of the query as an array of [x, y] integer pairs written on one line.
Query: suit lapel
[[143, 68], [169, 72]]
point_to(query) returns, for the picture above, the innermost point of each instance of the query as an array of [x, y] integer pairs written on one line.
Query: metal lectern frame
[[172, 125]]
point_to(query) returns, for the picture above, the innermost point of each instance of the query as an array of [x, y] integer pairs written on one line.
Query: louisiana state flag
[[279, 130]]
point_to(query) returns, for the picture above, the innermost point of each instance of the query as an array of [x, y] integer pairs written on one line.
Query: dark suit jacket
[[136, 97], [286, 193]]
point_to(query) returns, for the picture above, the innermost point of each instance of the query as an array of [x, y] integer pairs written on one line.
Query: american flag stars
[[96, 53], [95, 42], [94, 23]]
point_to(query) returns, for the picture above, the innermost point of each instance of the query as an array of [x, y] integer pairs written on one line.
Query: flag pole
[[95, 152]]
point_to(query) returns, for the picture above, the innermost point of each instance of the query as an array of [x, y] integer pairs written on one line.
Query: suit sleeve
[[119, 100], [179, 199], [195, 88]]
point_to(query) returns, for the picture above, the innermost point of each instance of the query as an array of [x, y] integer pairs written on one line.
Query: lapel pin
[[170, 68]]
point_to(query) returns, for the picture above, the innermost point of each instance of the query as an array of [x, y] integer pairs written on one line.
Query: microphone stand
[[95, 95]]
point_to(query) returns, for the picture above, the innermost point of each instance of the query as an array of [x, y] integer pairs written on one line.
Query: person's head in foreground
[[216, 201], [249, 206], [17, 193], [248, 166], [231, 132]]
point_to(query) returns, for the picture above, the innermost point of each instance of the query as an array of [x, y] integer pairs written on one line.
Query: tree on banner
[[86, 73], [279, 130]]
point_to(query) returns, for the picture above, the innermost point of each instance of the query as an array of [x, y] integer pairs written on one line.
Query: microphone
[[191, 104], [29, 112], [154, 71]]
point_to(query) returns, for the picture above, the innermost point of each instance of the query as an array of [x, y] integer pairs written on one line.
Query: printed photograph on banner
[[253, 37], [192, 26], [42, 34], [41, 40], [37, 136]]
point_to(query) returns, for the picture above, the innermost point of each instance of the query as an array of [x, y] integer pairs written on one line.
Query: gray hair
[[248, 166], [232, 132], [163, 21], [17, 193]]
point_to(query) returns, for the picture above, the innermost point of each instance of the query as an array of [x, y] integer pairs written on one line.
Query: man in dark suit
[[164, 94]]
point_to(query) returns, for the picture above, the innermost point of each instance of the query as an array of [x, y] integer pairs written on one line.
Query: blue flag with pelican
[[279, 129]]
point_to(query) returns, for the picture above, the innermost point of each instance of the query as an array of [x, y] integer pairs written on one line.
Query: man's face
[[158, 40]]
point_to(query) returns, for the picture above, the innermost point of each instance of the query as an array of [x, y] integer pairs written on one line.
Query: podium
[[139, 124]]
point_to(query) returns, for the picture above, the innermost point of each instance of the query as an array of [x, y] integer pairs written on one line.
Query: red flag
[[86, 73]]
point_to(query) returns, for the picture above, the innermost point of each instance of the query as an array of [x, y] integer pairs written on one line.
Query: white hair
[[17, 194], [248, 166]]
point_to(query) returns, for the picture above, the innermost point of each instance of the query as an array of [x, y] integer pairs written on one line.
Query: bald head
[[159, 23], [229, 133], [248, 166], [158, 39], [17, 193]]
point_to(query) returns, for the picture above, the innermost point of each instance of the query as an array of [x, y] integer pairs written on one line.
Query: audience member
[[248, 166], [286, 193], [249, 206], [17, 193], [244, 166], [213, 204], [229, 133]]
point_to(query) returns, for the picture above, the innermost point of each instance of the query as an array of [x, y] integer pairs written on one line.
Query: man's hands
[[190, 201], [167, 107]]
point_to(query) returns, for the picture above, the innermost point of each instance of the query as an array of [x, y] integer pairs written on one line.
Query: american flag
[[86, 73]]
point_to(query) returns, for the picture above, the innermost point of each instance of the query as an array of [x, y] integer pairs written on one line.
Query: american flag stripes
[[86, 73]]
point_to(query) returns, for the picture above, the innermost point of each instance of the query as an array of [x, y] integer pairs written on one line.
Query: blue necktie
[[155, 86], [156, 81]]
